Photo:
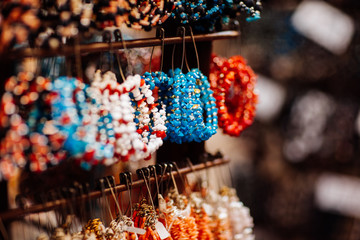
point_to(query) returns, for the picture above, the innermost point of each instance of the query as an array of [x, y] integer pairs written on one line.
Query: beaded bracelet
[[159, 83], [184, 109], [233, 83], [133, 138], [208, 104], [114, 115], [30, 139], [65, 113], [189, 99], [150, 120]]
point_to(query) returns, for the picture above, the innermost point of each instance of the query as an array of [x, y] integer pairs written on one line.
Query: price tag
[[136, 230], [161, 230]]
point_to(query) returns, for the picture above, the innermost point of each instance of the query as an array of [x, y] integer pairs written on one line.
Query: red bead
[[140, 102], [89, 155], [146, 128]]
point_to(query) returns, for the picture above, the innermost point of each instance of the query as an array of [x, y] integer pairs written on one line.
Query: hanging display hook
[[114, 196], [162, 33], [141, 172], [78, 57], [195, 48], [182, 178], [183, 49], [102, 186], [117, 35], [120, 36]]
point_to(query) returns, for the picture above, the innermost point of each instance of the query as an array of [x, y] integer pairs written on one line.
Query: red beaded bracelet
[[233, 83]]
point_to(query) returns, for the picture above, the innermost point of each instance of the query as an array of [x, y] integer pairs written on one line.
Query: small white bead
[[150, 100], [148, 93]]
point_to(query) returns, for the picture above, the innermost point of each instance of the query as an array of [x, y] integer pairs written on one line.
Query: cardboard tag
[[161, 230], [136, 230]]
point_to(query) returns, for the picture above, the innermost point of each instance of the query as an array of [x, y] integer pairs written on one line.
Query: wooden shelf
[[100, 47], [19, 213]]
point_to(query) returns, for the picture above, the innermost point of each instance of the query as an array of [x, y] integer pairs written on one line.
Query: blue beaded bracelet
[[208, 103], [185, 112]]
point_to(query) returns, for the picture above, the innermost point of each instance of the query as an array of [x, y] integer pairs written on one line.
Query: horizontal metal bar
[[18, 213], [100, 47]]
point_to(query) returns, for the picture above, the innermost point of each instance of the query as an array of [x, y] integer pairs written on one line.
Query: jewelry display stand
[[169, 152]]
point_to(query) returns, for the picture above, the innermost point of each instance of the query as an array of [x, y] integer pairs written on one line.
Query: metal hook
[[182, 178], [52, 197], [151, 56], [43, 198], [194, 171], [78, 57], [126, 178], [113, 193], [129, 178], [171, 166], [163, 172], [195, 48], [72, 195], [183, 45], [153, 173], [87, 185], [112, 178], [102, 186], [107, 39], [118, 37], [66, 195], [142, 172], [80, 191], [162, 31]]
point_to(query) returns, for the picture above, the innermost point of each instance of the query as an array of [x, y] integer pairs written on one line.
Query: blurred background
[[298, 166]]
